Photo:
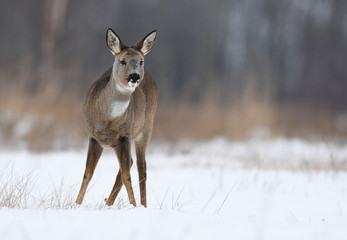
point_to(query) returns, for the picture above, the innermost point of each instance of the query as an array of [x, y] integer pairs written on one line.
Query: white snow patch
[[195, 191]]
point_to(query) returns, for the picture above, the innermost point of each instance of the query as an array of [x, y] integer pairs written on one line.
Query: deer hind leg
[[141, 144], [116, 187], [123, 153], [94, 153]]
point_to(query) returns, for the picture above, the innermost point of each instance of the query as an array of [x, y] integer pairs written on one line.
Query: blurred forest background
[[230, 68]]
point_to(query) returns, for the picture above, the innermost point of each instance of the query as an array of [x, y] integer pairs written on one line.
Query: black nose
[[134, 77]]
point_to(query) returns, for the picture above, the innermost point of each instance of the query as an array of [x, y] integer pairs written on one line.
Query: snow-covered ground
[[256, 189]]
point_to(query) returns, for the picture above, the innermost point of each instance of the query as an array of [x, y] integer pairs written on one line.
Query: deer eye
[[123, 62], [141, 62]]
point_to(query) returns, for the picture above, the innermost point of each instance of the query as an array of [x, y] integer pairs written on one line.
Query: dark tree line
[[288, 50]]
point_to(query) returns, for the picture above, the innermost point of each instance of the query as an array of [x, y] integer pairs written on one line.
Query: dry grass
[[41, 122], [239, 120], [17, 193], [174, 203], [14, 193]]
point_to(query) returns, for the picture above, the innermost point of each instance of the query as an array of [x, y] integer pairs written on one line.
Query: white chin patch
[[133, 85]]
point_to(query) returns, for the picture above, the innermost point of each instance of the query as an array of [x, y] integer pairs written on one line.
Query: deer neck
[[118, 98]]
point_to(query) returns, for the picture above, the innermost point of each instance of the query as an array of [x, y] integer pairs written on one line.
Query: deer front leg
[[116, 188], [123, 153], [94, 153]]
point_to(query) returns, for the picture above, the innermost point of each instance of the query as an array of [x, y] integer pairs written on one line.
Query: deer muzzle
[[134, 77]]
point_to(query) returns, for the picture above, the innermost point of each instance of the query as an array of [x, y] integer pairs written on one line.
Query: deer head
[[128, 68]]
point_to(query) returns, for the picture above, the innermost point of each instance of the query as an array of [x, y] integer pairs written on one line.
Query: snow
[[255, 189]]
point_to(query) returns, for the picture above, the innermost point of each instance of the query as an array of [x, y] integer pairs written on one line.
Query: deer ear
[[146, 43], [113, 42]]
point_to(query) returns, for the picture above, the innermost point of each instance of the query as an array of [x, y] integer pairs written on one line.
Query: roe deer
[[120, 106]]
